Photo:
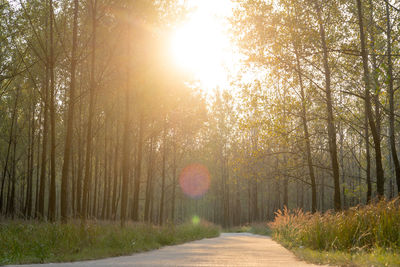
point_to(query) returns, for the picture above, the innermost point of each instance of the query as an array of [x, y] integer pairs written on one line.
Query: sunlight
[[201, 46]]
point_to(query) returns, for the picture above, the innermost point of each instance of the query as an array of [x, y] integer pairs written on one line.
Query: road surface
[[230, 249]]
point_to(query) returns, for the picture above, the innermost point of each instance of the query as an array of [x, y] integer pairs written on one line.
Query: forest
[[98, 121]]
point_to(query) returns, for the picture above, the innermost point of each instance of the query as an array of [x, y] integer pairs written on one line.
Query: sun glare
[[201, 45]]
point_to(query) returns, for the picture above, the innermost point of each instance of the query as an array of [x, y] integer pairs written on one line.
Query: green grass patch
[[361, 236], [260, 229], [254, 228], [33, 242]]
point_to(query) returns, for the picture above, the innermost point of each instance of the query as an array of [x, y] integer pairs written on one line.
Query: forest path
[[229, 249]]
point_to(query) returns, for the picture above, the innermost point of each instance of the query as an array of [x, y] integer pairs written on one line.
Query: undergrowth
[[33, 242]]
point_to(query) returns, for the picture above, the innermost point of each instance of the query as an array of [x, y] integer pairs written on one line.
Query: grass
[[254, 228], [376, 257], [361, 236], [33, 242]]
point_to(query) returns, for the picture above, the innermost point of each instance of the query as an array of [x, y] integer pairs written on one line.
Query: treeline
[[95, 120], [97, 123], [316, 125], [319, 129]]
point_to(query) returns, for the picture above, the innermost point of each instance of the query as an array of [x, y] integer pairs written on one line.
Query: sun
[[201, 45]]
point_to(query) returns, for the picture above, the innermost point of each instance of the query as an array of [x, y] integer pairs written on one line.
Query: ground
[[230, 249]]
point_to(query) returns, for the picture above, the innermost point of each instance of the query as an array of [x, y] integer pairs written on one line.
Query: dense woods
[[98, 123]]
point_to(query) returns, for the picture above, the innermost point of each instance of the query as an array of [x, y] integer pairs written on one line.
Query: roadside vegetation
[[33, 242], [361, 236], [254, 228]]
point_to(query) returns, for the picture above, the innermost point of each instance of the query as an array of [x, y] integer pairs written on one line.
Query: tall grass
[[362, 228], [24, 242]]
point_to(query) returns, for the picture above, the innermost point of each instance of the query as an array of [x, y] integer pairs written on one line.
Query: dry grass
[[353, 236]]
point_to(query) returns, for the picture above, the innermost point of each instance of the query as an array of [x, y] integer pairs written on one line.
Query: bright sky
[[201, 45]]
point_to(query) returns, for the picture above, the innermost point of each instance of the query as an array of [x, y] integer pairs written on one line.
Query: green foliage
[[44, 242]]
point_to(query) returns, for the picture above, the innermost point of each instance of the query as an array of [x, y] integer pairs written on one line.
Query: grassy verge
[[362, 236], [23, 242], [376, 258]]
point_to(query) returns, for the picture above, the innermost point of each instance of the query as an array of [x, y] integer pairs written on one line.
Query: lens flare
[[194, 180], [195, 220]]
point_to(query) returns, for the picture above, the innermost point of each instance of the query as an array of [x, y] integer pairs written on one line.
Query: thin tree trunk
[[73, 189], [89, 137], [31, 148], [52, 193], [391, 97], [238, 204], [115, 179], [12, 180], [161, 214], [96, 175], [374, 130], [106, 166], [149, 183], [37, 169], [341, 155], [125, 140], [70, 119], [108, 188], [306, 135], [329, 107], [43, 168], [173, 182], [368, 158], [138, 169]]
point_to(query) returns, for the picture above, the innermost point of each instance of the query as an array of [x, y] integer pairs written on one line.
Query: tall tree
[[329, 109], [372, 124], [70, 118], [89, 128], [391, 95]]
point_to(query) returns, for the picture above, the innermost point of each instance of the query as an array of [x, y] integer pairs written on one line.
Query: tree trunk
[[306, 135], [43, 167], [31, 149], [149, 183], [89, 138], [368, 158], [52, 193], [138, 170], [173, 182], [374, 130], [391, 97], [96, 175], [12, 179], [37, 170], [329, 107], [10, 141], [125, 140], [161, 214], [70, 119]]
